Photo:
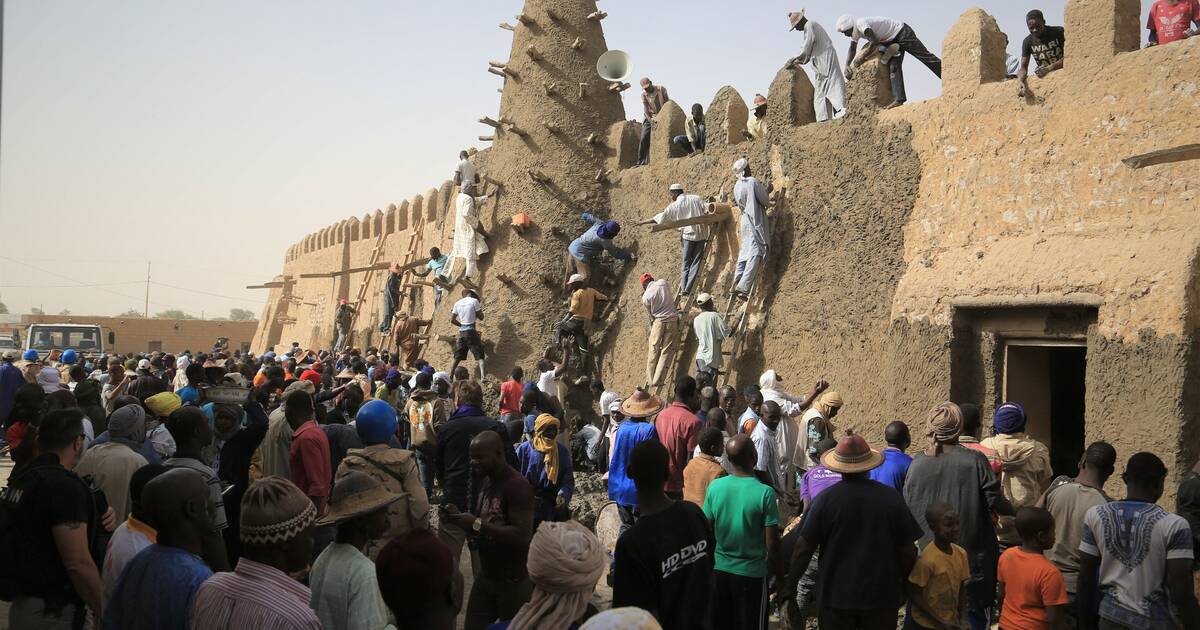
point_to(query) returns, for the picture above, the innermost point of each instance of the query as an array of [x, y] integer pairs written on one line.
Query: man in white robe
[[829, 87], [469, 238]]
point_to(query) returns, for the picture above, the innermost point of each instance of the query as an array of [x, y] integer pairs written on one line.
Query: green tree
[[133, 312], [241, 314], [65, 311], [174, 313]]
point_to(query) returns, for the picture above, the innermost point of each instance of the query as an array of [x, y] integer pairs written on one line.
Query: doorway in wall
[[1047, 377]]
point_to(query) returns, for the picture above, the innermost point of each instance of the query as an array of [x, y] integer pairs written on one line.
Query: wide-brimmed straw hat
[[794, 19], [641, 404], [354, 495], [852, 455]]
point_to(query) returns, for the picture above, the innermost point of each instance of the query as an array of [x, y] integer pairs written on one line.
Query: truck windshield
[[60, 338]]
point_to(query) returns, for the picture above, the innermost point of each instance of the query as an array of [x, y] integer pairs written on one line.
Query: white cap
[[575, 278], [144, 364], [739, 166], [677, 187], [614, 406], [703, 298]]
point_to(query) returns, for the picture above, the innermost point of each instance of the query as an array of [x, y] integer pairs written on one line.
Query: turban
[[608, 229], [565, 561], [945, 422], [188, 395], [311, 376], [274, 511], [545, 445], [827, 402], [162, 404], [49, 379], [441, 376], [739, 166], [769, 380], [182, 363], [606, 401], [1009, 418], [844, 23], [414, 569], [628, 618], [127, 426]]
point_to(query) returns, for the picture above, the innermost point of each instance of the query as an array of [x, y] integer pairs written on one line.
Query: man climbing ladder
[[750, 197]]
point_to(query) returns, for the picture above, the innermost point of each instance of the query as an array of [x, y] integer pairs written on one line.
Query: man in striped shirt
[[276, 534], [190, 429]]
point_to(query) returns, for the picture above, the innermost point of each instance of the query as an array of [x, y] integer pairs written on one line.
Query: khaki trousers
[[660, 349]]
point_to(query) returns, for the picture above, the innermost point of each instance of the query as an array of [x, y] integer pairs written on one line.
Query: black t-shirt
[[1046, 48], [860, 523], [50, 495], [498, 503], [664, 565]]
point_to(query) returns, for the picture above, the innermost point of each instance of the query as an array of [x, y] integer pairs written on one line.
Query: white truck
[[86, 339]]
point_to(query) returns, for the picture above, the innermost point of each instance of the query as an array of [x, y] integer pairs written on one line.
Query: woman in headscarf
[[181, 378], [87, 396], [815, 425], [565, 561], [947, 471], [547, 465], [50, 380]]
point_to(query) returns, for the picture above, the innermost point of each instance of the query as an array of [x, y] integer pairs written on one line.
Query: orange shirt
[[1031, 584], [510, 396], [260, 378]]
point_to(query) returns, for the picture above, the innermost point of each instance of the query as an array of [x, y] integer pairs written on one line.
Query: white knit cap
[[677, 187], [845, 23]]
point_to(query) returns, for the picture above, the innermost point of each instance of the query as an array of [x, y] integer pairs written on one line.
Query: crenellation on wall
[[1099, 30], [668, 123], [725, 118], [973, 53], [789, 101]]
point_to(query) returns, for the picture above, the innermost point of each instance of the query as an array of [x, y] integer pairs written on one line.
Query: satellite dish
[[614, 65]]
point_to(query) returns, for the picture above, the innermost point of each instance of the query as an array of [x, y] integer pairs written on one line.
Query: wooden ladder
[[739, 329], [683, 325], [364, 287]]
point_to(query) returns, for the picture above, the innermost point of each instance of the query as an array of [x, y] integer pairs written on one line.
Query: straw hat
[[354, 495], [852, 455], [641, 404], [794, 18]]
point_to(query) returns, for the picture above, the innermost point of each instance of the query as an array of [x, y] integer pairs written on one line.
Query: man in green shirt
[[745, 518]]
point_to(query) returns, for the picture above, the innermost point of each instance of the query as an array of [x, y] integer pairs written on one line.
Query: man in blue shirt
[[895, 461], [598, 238], [638, 409], [156, 588], [436, 266]]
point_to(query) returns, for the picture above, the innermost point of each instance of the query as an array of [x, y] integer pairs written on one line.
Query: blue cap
[[30, 355], [68, 356], [375, 422]]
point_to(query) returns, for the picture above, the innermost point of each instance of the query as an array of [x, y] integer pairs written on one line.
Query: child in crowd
[[935, 585], [1032, 595]]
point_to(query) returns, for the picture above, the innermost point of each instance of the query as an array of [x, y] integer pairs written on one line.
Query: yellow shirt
[[583, 303], [940, 577], [756, 126]]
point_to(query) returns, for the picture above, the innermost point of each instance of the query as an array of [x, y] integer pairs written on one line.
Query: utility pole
[[147, 309]]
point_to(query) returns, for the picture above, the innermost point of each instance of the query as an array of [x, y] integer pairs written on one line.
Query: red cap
[[646, 278], [342, 301]]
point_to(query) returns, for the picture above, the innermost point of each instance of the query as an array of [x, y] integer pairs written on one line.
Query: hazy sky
[[208, 136]]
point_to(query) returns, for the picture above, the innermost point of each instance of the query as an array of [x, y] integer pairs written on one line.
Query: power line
[[227, 297], [68, 286]]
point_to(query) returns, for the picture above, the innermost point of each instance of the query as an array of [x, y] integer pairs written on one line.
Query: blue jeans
[[628, 516], [425, 471]]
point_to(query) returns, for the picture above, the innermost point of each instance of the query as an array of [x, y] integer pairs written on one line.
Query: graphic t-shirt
[[1134, 540], [1046, 47], [940, 576], [817, 480], [1031, 584], [664, 565], [740, 508], [1170, 22]]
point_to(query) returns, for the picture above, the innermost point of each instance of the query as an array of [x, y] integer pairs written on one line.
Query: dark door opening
[[1047, 377]]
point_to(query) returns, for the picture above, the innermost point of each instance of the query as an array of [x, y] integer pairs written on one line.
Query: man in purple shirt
[[818, 478]]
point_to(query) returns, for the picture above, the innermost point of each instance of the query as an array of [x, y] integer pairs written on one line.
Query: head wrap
[[393, 378], [49, 379], [547, 446], [1009, 418], [188, 395], [740, 165], [769, 380], [628, 618], [844, 23], [182, 363], [413, 570], [127, 426], [274, 511], [565, 561], [606, 401], [163, 403], [945, 423], [827, 402], [441, 376], [608, 230]]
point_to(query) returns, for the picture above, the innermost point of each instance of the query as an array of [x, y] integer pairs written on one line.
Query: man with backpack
[[49, 524], [424, 413]]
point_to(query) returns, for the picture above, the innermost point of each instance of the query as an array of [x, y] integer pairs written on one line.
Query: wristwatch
[[477, 525]]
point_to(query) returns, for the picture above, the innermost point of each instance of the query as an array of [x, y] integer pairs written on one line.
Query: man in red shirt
[[679, 430], [309, 456], [1170, 20], [510, 404]]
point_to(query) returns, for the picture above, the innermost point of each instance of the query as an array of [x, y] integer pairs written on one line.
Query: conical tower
[[549, 143]]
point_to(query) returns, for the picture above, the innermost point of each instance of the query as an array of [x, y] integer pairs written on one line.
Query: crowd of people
[[299, 491]]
